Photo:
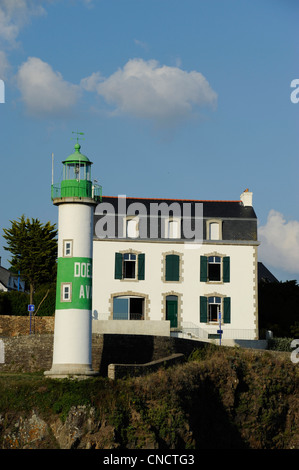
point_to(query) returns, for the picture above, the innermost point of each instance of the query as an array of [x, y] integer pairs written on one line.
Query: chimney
[[246, 198]]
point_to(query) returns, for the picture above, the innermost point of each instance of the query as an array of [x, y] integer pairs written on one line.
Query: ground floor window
[[211, 306], [128, 308], [214, 307]]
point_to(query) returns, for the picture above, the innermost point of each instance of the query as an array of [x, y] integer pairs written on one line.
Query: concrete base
[[131, 327], [66, 371]]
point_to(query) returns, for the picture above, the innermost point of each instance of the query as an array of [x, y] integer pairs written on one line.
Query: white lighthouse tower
[[75, 198]]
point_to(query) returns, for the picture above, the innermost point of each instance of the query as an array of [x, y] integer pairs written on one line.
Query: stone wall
[[118, 371], [12, 325], [136, 349], [29, 353], [33, 353]]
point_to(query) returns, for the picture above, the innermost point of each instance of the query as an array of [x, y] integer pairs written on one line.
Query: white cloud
[[280, 242], [15, 14], [44, 91], [90, 83], [147, 90]]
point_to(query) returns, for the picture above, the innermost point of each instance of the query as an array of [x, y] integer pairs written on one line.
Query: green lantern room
[[76, 175], [76, 178]]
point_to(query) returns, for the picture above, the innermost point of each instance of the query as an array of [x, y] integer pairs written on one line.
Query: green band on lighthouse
[[75, 275]]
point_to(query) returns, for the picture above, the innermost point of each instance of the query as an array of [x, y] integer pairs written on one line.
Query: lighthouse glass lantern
[[76, 175]]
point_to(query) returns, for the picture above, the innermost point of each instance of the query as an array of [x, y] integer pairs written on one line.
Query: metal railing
[[196, 331], [192, 329], [234, 333], [93, 191]]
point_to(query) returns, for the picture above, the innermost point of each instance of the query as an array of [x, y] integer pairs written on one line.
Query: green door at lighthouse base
[[172, 312]]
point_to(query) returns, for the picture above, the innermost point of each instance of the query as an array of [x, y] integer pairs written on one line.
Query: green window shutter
[[226, 269], [203, 309], [172, 268], [226, 310], [203, 269], [141, 262], [118, 267]]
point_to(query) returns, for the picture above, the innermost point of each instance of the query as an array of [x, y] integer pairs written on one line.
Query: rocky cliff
[[220, 399]]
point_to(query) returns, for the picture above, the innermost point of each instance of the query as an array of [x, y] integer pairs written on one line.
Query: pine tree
[[33, 246]]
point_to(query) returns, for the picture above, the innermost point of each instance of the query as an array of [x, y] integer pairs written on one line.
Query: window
[[210, 307], [215, 268], [66, 292], [214, 231], [67, 248], [172, 268], [214, 307], [172, 228], [128, 308], [129, 266], [132, 228]]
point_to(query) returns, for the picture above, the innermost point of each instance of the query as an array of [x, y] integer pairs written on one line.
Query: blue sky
[[177, 98]]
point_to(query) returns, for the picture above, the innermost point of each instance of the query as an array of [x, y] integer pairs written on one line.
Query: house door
[[172, 310]]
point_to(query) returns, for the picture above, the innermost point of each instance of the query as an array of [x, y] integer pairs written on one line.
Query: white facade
[[233, 293]]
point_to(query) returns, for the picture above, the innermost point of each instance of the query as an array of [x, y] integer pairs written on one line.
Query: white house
[[175, 267], [10, 281]]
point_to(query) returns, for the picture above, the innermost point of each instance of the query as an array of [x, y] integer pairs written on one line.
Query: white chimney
[[246, 198]]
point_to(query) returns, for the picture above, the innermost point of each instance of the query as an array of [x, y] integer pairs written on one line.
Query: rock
[[25, 433]]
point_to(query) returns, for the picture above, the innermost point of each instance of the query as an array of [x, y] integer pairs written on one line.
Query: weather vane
[[78, 133]]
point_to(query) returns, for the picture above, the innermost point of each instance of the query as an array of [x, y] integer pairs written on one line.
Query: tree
[[34, 250]]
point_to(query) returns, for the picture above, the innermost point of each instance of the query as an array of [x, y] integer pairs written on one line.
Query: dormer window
[[214, 230], [132, 230], [172, 228]]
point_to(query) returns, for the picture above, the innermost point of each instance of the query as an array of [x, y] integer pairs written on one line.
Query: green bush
[[280, 344], [47, 308], [16, 303]]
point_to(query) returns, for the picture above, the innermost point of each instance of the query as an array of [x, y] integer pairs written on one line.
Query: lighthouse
[[75, 198]]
